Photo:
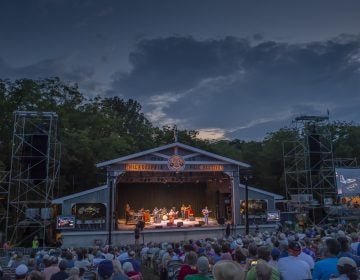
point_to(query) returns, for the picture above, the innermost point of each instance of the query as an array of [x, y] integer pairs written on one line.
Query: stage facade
[[165, 188]]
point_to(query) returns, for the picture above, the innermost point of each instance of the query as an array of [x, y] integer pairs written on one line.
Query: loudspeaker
[[191, 218], [201, 223], [158, 227], [315, 153], [197, 225], [169, 224], [179, 224], [221, 221], [141, 224]]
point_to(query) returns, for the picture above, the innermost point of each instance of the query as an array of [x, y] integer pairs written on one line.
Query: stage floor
[[164, 224]]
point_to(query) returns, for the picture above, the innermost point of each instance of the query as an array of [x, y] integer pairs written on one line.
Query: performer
[[127, 213], [183, 211], [190, 212], [206, 212], [157, 218], [171, 216]]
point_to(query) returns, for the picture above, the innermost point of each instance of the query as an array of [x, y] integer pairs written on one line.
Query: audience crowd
[[320, 253]]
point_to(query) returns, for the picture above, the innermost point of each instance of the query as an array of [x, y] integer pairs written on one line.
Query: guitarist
[[205, 213]]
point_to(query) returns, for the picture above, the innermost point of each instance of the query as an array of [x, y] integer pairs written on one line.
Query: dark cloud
[[177, 63], [238, 86], [82, 75]]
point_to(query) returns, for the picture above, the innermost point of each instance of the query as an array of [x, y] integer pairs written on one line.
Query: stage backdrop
[[149, 195]]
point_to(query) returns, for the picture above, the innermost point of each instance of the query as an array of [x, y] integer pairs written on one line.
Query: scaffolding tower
[[308, 162], [4, 183], [34, 173]]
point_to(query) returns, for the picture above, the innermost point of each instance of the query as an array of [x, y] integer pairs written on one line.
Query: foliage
[[103, 128]]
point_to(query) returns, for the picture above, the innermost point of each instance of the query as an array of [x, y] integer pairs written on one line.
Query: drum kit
[[163, 215]]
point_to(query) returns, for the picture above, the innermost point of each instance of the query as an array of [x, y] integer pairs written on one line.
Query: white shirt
[[307, 258], [293, 268]]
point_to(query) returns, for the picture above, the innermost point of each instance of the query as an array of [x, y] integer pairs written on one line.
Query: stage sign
[[65, 222], [273, 216], [144, 167], [89, 210], [162, 167], [255, 207], [176, 163]]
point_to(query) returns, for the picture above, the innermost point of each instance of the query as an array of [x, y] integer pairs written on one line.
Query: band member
[[127, 213], [183, 211], [171, 215], [157, 215], [190, 211], [206, 212]]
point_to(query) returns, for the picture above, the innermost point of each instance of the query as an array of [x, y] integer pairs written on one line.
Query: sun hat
[[346, 261]]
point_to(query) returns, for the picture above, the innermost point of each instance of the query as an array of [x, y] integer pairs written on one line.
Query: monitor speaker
[[179, 224], [169, 224], [201, 223], [158, 227]]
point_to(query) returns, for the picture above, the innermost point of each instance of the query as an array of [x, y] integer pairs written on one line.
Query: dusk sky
[[229, 69]]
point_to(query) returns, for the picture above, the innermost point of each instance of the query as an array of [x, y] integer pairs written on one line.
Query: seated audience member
[[62, 274], [203, 270], [189, 266], [264, 271], [275, 253], [292, 267], [228, 270], [74, 274], [129, 269], [36, 275], [226, 252], [240, 256], [345, 250], [261, 266], [132, 259], [21, 272], [52, 268], [347, 269], [105, 270], [326, 267], [119, 273]]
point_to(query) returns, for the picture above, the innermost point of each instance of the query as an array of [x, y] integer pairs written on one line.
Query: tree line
[[97, 129]]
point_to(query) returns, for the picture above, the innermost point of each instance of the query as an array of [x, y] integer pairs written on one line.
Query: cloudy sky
[[232, 68]]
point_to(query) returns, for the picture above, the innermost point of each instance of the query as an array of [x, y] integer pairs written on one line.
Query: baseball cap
[[294, 248], [21, 269], [105, 269]]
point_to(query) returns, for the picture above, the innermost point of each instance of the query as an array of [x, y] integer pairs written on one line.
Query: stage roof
[[224, 160]]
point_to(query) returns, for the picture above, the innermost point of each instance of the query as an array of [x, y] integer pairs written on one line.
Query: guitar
[[205, 212]]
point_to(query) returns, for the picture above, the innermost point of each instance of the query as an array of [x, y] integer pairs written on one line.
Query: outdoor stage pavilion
[[169, 176]]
